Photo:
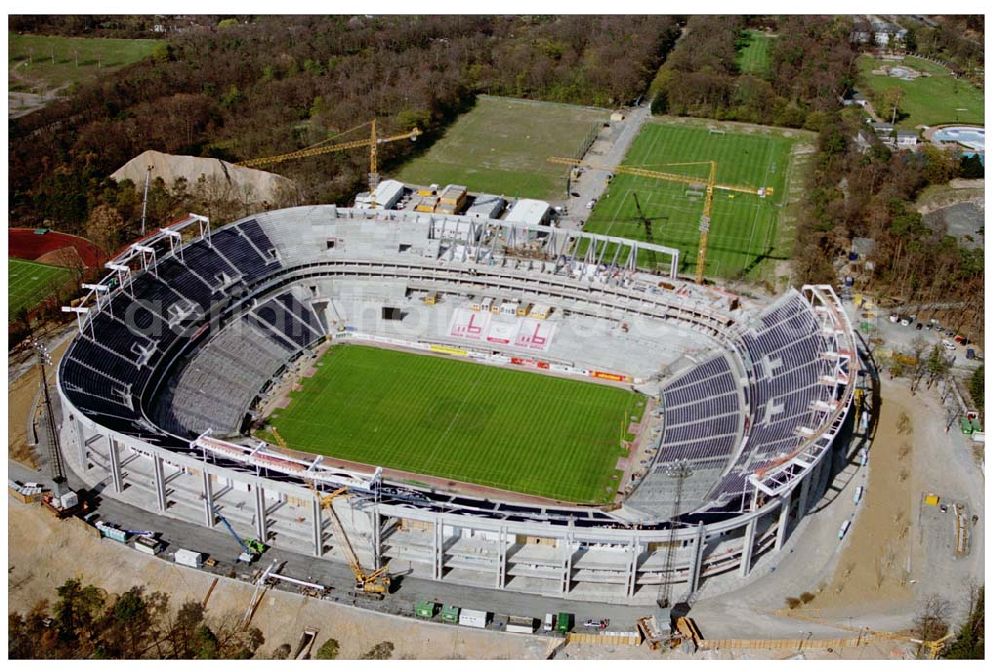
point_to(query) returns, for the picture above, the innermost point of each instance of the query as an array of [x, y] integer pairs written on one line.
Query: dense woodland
[[811, 65], [243, 90], [84, 621]]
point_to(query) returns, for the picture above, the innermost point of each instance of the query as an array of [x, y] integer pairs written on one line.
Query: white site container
[[187, 558], [68, 500], [472, 618]]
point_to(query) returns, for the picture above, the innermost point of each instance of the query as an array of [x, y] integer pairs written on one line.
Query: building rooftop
[[528, 211]]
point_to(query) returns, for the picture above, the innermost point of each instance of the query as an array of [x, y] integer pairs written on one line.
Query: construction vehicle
[[368, 584], [250, 549], [681, 633], [709, 184], [322, 147]]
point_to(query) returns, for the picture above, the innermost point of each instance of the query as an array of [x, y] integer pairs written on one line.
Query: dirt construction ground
[[872, 569], [58, 551]]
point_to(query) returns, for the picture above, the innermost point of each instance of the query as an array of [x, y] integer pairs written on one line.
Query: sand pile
[[222, 178]]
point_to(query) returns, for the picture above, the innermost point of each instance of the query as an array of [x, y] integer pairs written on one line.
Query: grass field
[[755, 58], [507, 429], [29, 282], [501, 147], [50, 62], [745, 227], [928, 101]]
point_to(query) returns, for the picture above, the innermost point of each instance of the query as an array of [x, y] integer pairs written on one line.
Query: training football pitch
[[475, 423], [936, 98], [745, 228], [29, 282], [501, 145], [755, 57]]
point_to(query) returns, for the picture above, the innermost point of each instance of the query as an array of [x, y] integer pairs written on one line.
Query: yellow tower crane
[[319, 148], [710, 187]]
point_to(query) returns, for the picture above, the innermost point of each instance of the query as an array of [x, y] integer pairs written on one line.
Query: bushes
[[329, 651]]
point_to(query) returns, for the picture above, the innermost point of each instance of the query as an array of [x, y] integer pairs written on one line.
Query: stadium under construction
[[182, 347]]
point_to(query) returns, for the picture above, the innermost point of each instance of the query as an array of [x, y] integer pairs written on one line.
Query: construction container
[[472, 618], [69, 500], [449, 613], [523, 308], [485, 304], [431, 298], [454, 195], [147, 545], [931, 499], [427, 191], [426, 204], [425, 609], [188, 558], [540, 311], [508, 308], [521, 624], [112, 532]]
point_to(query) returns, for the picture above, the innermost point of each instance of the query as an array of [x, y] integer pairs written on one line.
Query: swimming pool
[[968, 136]]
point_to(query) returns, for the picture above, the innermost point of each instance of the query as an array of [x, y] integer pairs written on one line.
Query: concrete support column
[[694, 573], [261, 518], [206, 488], [438, 549], [317, 528], [114, 461], [633, 569], [568, 565], [376, 536], [502, 565], [160, 484], [81, 446], [748, 546], [779, 539], [805, 494]]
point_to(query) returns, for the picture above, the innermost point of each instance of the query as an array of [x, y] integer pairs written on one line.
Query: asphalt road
[[608, 150]]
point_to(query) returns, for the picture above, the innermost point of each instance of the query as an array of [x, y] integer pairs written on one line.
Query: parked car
[[905, 322], [948, 344], [919, 326], [970, 353], [574, 194], [894, 318], [591, 203]]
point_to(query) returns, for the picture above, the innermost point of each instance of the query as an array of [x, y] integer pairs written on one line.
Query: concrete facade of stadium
[[578, 552]]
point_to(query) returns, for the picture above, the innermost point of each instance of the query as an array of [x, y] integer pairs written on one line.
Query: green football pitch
[[513, 430], [755, 57], [29, 282], [501, 145], [744, 227], [936, 98]]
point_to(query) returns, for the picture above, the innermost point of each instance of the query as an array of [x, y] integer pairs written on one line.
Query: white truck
[[843, 529], [858, 492]]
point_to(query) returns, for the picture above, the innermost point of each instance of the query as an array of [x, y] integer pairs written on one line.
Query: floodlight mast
[[52, 435]]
